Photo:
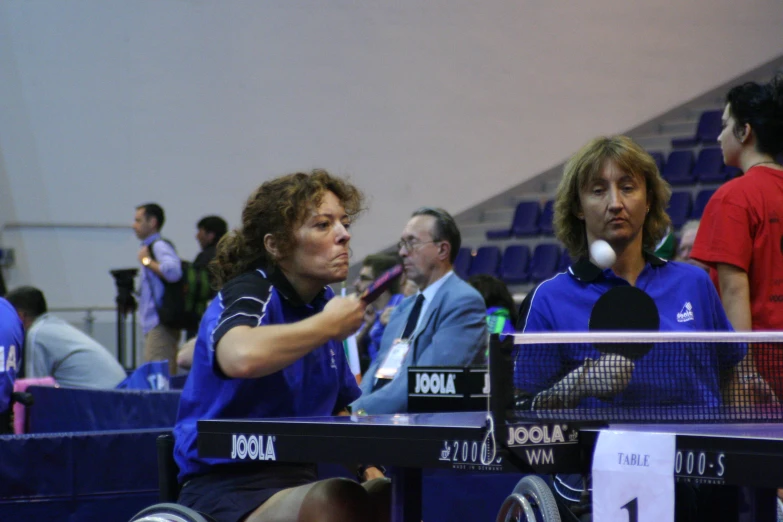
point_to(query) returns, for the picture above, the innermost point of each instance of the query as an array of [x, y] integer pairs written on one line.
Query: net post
[[500, 378]]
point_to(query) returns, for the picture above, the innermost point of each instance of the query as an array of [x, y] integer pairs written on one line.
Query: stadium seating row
[[680, 168], [514, 265]]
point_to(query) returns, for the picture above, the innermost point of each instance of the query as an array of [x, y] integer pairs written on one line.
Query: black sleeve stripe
[[243, 301]]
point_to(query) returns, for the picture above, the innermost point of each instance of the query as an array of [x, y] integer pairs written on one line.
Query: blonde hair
[[585, 166]]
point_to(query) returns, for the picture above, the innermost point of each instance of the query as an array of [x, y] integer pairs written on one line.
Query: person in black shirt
[[210, 230]]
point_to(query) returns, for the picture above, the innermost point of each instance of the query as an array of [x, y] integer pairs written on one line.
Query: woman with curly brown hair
[[269, 345]]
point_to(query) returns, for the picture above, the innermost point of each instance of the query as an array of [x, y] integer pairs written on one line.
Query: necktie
[[413, 317]]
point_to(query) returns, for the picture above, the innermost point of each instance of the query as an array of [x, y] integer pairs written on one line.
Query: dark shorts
[[231, 493]]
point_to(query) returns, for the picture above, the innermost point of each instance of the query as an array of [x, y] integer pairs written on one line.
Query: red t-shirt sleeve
[[725, 232]]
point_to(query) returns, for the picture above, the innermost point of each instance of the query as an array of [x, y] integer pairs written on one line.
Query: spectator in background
[[11, 341], [56, 348], [368, 338], [444, 324], [742, 224], [159, 262], [665, 249], [210, 230], [501, 309], [687, 237]]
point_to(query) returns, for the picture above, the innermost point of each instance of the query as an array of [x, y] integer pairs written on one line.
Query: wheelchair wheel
[[514, 508], [535, 491], [168, 512]]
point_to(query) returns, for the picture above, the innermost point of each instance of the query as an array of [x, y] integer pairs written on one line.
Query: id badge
[[388, 369]]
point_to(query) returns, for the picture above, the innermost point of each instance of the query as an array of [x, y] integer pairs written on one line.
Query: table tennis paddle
[[381, 284], [624, 308]]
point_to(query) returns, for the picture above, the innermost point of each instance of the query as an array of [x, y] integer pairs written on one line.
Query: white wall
[[105, 104]]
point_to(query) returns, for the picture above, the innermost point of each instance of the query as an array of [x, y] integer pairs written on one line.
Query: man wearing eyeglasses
[[443, 324]]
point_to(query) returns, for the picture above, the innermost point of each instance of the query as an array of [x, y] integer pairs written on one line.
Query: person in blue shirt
[[159, 263], [11, 345], [270, 345], [368, 338], [612, 190]]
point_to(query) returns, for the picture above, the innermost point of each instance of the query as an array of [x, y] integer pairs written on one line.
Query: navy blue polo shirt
[[318, 384], [687, 302], [11, 346]]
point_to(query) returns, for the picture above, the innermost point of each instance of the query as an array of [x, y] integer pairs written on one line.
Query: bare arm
[[735, 295], [185, 354], [248, 352]]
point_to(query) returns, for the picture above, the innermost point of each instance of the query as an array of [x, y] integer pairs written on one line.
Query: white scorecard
[[633, 477]]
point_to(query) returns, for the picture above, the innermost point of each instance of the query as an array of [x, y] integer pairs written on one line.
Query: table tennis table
[[408, 443], [708, 453], [740, 454]]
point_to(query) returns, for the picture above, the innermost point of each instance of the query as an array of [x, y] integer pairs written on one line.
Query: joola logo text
[[253, 447], [435, 383], [523, 435]]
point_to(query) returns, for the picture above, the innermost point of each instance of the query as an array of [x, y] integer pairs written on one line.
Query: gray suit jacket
[[451, 333]]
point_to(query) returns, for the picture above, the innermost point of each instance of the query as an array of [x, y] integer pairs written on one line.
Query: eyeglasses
[[411, 244]]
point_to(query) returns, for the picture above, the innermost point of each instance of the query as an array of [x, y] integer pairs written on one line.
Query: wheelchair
[[533, 501], [168, 510]]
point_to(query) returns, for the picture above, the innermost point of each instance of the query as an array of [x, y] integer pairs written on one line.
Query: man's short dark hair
[[445, 228], [380, 263], [153, 210], [29, 300], [214, 224]]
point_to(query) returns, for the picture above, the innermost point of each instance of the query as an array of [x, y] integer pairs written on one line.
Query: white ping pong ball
[[603, 255]]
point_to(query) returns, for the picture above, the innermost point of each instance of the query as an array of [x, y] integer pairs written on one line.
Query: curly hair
[[278, 207], [585, 166]]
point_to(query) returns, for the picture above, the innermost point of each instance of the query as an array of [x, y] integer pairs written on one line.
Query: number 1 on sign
[[633, 510]]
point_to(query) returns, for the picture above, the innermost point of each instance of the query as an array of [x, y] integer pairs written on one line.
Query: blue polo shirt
[[11, 343], [318, 384], [687, 302]]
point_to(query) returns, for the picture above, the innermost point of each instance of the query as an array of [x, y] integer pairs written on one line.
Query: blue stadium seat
[[544, 262], [526, 219], [545, 220], [707, 131], [709, 166], [565, 261], [679, 208], [513, 269], [525, 222], [701, 201], [462, 263], [485, 261], [659, 159], [678, 167]]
